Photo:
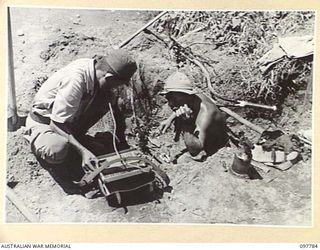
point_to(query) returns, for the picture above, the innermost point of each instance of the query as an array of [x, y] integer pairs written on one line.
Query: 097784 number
[[308, 245]]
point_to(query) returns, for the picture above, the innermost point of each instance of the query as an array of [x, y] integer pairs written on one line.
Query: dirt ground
[[44, 40]]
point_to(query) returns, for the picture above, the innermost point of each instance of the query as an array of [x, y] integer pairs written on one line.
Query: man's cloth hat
[[178, 82], [121, 64]]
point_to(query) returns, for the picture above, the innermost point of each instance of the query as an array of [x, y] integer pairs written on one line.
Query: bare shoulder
[[207, 106]]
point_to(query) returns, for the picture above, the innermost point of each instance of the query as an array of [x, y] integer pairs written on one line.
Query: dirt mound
[[202, 192]]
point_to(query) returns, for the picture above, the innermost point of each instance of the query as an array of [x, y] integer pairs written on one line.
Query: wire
[[114, 135]]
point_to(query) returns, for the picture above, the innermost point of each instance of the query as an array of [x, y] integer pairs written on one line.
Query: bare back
[[210, 125]]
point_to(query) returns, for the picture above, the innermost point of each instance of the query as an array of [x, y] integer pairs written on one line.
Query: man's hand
[[164, 125], [89, 161], [184, 112]]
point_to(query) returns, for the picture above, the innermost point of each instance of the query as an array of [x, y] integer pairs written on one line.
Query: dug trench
[[45, 40]]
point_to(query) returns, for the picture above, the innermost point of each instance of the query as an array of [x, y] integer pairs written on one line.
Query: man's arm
[[202, 124], [89, 160], [184, 112], [195, 128], [193, 143], [66, 105], [164, 125]]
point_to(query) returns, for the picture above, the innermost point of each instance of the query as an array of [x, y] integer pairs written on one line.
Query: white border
[[166, 224]]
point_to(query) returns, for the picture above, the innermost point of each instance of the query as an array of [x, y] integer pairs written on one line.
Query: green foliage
[[247, 36]]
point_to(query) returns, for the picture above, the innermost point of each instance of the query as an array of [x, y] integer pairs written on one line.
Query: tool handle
[[125, 42], [12, 114], [242, 120], [250, 104]]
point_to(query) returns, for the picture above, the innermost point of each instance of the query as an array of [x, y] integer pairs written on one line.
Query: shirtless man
[[202, 124]]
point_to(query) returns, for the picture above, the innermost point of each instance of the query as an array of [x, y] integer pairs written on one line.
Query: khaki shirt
[[67, 93]]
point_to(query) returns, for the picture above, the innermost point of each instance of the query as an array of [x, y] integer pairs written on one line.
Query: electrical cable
[[114, 135]]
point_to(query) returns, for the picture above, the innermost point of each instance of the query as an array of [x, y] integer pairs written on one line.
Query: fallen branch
[[236, 103], [226, 110], [209, 84], [147, 31], [20, 205], [204, 70]]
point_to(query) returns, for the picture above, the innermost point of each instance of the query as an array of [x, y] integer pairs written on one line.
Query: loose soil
[[44, 40]]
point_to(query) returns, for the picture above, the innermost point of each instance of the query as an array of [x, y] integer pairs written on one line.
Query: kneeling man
[[201, 123]]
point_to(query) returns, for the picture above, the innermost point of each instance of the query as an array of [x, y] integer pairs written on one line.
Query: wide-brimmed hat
[[178, 82], [121, 64]]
